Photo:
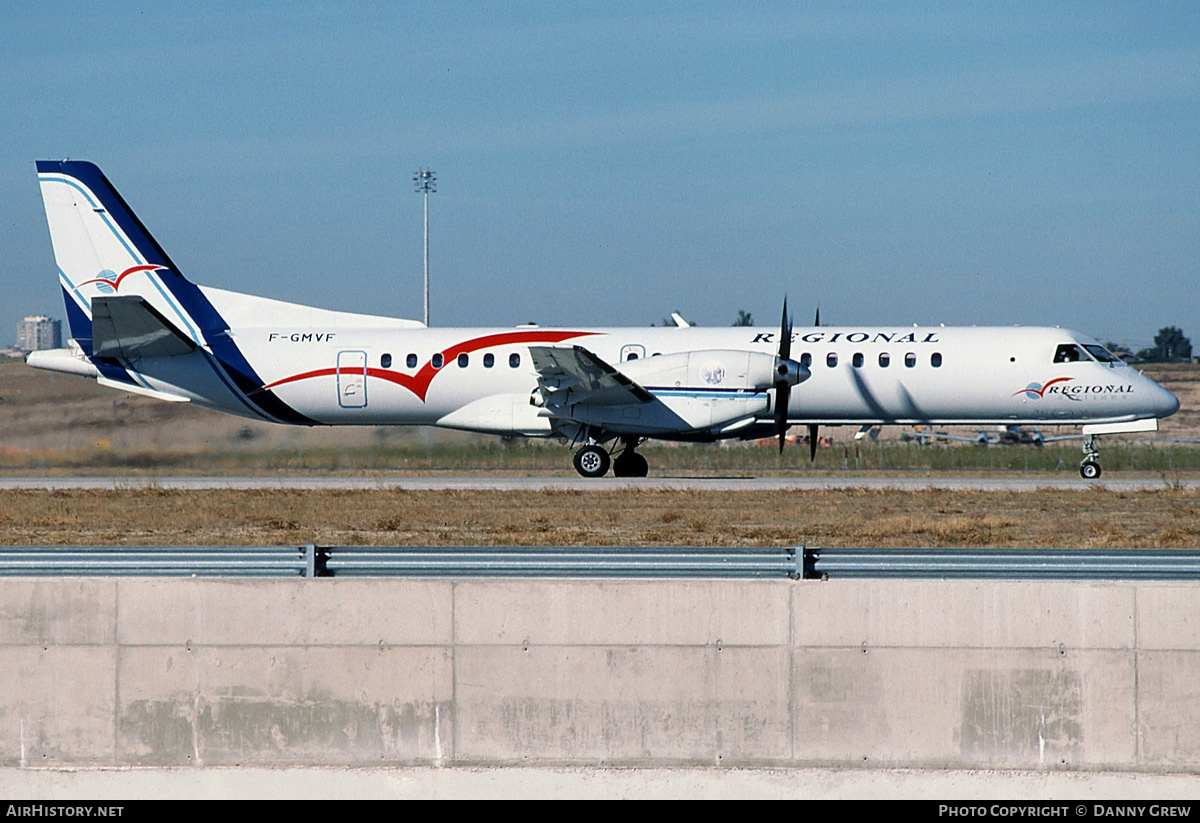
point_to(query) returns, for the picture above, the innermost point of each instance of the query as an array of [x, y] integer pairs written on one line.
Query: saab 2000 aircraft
[[138, 325]]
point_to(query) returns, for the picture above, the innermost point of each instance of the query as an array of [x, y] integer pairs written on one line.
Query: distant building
[[39, 332]]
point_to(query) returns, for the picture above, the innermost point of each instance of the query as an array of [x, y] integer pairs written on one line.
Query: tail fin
[[102, 249]]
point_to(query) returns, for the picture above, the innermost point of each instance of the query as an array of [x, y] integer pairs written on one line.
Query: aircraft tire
[[1089, 470], [631, 464], [640, 467], [592, 461]]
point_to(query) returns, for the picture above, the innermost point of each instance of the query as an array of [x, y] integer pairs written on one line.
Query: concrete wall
[[403, 672]]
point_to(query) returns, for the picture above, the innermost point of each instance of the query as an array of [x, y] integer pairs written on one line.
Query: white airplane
[[138, 325]]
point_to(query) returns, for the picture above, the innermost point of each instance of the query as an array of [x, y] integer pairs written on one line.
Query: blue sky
[[607, 163]]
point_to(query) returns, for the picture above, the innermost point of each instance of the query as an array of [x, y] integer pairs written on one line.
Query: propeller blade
[[782, 396], [783, 388], [812, 444], [785, 333]]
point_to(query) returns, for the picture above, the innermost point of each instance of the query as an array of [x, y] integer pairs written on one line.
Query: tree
[[1169, 346], [743, 319]]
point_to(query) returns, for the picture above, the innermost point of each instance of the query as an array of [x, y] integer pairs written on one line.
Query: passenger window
[[857, 360], [831, 360], [884, 359], [514, 360], [935, 360], [489, 360], [386, 361], [438, 360], [806, 360], [463, 360], [411, 361], [910, 360]]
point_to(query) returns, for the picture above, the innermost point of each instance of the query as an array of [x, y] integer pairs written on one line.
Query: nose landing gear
[[1089, 468]]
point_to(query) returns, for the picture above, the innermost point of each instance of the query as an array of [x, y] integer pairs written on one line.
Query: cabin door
[[352, 379]]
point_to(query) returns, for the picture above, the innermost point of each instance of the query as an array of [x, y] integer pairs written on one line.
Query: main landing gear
[[629, 463], [594, 461], [1089, 469]]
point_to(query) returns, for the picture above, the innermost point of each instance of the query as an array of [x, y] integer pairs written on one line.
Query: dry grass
[[1167, 518]]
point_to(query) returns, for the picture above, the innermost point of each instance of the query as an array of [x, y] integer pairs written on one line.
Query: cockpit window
[[1102, 354], [1069, 353]]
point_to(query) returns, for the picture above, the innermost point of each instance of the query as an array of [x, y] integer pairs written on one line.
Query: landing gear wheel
[[592, 461], [1089, 469], [630, 464]]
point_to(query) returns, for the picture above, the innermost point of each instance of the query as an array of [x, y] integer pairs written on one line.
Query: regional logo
[[1035, 391], [109, 282], [713, 373]]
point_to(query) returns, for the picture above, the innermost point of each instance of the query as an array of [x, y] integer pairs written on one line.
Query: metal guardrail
[[1004, 564], [545, 561], [600, 561], [153, 561], [400, 561]]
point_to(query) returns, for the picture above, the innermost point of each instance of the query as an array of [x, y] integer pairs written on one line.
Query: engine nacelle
[[718, 391], [715, 369]]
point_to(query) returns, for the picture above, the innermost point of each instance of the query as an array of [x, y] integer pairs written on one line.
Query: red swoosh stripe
[[116, 284], [418, 383]]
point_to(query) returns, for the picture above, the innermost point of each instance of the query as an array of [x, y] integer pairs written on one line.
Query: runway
[[464, 482]]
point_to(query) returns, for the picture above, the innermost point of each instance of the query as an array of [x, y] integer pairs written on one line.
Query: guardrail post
[[810, 558]]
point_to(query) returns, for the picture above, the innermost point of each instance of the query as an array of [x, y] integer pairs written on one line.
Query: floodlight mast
[[425, 182]]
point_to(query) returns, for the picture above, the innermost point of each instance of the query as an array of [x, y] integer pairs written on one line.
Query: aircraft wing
[[982, 438], [575, 375], [129, 328]]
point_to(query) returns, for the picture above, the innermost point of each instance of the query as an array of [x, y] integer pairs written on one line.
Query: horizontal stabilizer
[[142, 390], [129, 328], [68, 360]]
